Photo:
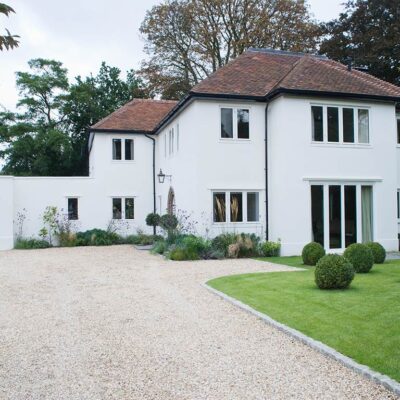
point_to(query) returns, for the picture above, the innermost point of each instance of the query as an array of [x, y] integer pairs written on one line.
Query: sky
[[83, 33]]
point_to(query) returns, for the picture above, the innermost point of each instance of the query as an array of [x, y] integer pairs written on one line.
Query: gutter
[[266, 175]]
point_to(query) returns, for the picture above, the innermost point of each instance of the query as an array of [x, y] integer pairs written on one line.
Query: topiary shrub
[[378, 251], [153, 219], [360, 256], [312, 252], [168, 222], [333, 272]]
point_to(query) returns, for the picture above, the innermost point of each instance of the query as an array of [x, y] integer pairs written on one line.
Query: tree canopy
[[7, 41], [187, 40], [48, 136], [368, 32]]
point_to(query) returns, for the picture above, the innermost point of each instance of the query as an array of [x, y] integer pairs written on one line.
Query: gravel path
[[117, 323]]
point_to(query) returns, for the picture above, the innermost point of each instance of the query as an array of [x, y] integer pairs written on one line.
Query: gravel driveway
[[117, 323]]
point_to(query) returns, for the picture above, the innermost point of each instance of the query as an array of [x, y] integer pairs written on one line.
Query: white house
[[286, 145]]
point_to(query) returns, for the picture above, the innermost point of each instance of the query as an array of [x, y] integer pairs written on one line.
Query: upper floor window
[[235, 123], [339, 124], [398, 129], [117, 149]]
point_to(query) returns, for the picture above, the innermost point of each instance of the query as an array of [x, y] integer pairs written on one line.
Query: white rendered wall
[[31, 195], [6, 212], [205, 163], [294, 159]]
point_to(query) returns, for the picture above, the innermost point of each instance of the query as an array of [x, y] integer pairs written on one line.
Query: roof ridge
[[285, 52], [294, 66]]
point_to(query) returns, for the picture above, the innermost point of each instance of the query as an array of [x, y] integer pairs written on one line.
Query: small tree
[[169, 223], [153, 219]]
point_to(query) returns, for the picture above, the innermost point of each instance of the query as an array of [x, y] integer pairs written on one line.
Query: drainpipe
[[154, 179], [266, 174]]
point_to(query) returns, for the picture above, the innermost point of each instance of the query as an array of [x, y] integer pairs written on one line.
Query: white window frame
[[342, 184], [340, 108], [123, 208], [397, 134], [177, 137], [398, 205], [228, 206], [123, 144], [235, 123]]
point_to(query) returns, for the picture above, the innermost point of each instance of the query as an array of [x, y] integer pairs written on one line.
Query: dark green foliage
[[378, 251], [26, 244], [153, 219], [270, 249], [168, 222], [97, 237], [48, 137], [333, 272], [360, 256], [368, 32], [160, 247], [311, 253]]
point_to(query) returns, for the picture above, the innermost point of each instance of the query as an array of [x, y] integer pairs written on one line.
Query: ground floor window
[[73, 208], [123, 208], [236, 206], [341, 214]]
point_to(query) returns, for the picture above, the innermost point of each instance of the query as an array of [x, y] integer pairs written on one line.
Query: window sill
[[233, 140], [342, 145], [123, 161], [236, 223]]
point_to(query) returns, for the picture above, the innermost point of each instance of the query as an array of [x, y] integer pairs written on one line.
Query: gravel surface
[[119, 323]]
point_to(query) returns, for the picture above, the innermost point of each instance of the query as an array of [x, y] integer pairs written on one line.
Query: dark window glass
[[128, 149], [398, 130], [219, 207], [73, 209], [333, 124], [350, 215], [243, 124], [348, 125], [129, 208], [117, 208], [116, 149], [236, 207], [317, 213], [317, 123], [398, 204], [226, 123], [252, 207], [335, 218]]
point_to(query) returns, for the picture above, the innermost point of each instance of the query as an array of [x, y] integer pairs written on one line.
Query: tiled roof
[[140, 115], [260, 72]]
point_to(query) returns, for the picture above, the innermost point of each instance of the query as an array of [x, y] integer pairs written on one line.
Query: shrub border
[[361, 369]]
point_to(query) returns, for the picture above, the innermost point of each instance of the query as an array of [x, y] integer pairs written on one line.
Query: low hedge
[[28, 244], [360, 256], [333, 272], [312, 252], [378, 252]]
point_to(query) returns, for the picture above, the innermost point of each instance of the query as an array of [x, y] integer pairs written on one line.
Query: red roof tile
[[261, 72], [141, 115]]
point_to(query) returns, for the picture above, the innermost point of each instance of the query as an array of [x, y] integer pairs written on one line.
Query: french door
[[341, 214]]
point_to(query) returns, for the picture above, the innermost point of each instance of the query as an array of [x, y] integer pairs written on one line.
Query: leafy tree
[[368, 31], [186, 40], [7, 41], [49, 136], [93, 98]]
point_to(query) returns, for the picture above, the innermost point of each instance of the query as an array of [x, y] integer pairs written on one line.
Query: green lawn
[[362, 322]]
